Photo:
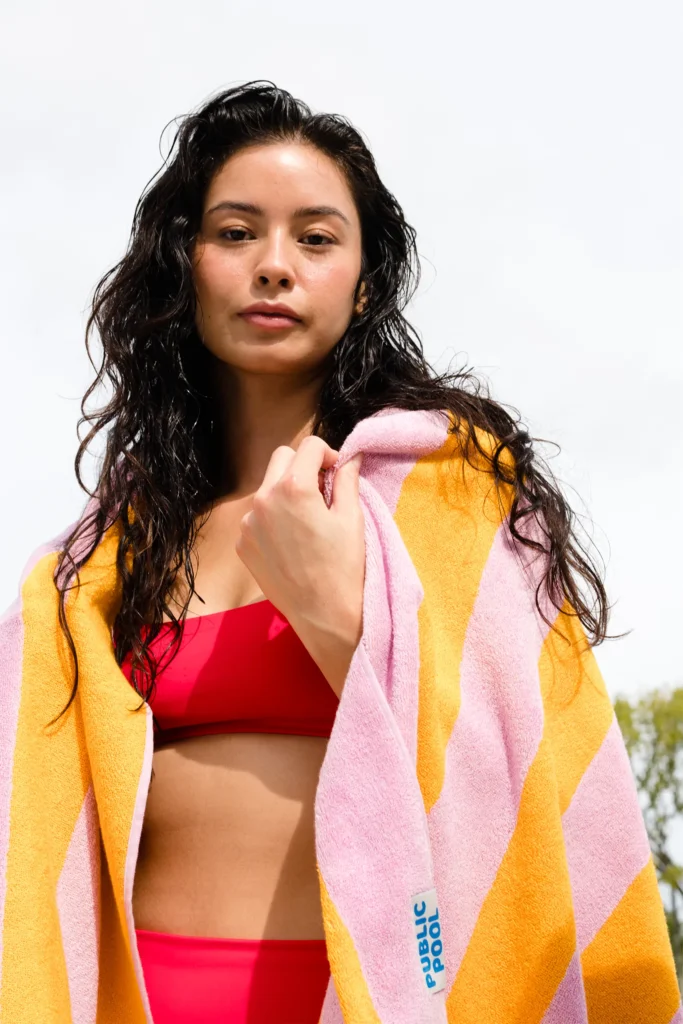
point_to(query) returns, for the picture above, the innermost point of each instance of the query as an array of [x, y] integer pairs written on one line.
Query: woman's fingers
[[345, 489], [279, 462], [311, 457]]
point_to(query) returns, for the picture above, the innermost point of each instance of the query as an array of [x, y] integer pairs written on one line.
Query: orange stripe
[[628, 968], [525, 936], [98, 735], [116, 736], [448, 515], [577, 706], [352, 989]]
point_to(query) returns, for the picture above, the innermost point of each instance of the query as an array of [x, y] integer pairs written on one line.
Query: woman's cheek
[[334, 287]]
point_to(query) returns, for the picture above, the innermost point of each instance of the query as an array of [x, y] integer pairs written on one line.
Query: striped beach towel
[[481, 852]]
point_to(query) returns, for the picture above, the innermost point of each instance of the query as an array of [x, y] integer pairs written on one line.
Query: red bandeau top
[[240, 670]]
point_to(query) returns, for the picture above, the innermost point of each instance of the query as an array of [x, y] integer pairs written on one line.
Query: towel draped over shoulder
[[480, 848]]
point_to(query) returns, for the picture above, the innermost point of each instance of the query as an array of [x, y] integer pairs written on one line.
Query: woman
[[254, 322]]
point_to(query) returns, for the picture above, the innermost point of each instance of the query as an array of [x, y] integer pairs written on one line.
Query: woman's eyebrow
[[302, 211]]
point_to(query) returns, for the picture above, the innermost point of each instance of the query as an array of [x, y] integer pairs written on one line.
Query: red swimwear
[[241, 670], [196, 980]]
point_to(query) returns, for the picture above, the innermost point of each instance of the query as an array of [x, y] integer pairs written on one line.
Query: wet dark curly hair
[[162, 456]]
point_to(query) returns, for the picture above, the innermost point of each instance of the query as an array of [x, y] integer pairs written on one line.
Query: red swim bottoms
[[195, 980]]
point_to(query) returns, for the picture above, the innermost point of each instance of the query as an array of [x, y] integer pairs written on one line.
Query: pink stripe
[[78, 906], [494, 741], [677, 1017], [407, 435], [391, 442], [132, 857], [569, 1003], [368, 786], [603, 825], [331, 1010], [371, 835]]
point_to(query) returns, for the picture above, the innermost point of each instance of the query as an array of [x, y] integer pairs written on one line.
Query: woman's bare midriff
[[228, 843], [227, 846]]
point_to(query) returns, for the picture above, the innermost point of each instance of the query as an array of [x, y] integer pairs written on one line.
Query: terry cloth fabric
[[481, 851]]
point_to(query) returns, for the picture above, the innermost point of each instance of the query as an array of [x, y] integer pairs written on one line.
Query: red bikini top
[[240, 670]]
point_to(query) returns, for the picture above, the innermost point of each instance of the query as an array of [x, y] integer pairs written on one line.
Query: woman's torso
[[228, 845]]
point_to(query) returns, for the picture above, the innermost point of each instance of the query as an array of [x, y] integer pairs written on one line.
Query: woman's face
[[276, 251]]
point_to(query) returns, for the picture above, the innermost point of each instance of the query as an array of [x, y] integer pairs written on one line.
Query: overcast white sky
[[535, 147]]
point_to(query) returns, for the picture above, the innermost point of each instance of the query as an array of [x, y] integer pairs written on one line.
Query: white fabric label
[[428, 942]]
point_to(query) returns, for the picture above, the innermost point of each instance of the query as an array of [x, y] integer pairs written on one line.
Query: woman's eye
[[316, 234], [243, 231], [230, 231]]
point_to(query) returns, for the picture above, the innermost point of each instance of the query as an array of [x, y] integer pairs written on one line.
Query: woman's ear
[[362, 299]]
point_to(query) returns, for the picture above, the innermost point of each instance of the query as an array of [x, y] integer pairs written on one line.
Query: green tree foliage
[[652, 727]]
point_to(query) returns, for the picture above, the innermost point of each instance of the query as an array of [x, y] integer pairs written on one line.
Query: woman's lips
[[272, 322]]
